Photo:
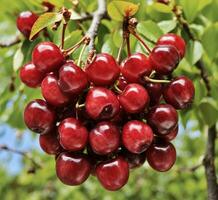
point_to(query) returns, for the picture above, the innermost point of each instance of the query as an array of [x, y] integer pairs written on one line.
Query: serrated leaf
[[18, 59], [194, 52]]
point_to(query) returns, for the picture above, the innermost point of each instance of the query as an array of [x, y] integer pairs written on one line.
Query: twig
[[190, 169], [10, 43]]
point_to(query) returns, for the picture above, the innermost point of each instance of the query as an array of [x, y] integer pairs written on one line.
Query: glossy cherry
[[180, 92], [73, 135], [171, 135], [72, 169], [155, 92], [113, 174], [103, 71], [122, 83], [39, 117]]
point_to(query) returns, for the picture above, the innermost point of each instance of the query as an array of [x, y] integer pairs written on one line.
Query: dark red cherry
[[52, 92], [171, 135], [25, 21], [101, 103], [113, 174], [122, 83], [161, 155], [155, 92], [164, 59], [104, 138], [72, 79], [162, 118], [135, 67], [47, 57], [103, 71], [72, 169], [30, 75], [180, 92], [164, 1], [174, 40], [134, 98], [73, 135], [137, 136], [39, 117]]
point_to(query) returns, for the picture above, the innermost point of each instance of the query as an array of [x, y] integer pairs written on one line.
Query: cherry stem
[[63, 35], [152, 74], [155, 80], [81, 54], [120, 50], [128, 46], [117, 89], [75, 47]]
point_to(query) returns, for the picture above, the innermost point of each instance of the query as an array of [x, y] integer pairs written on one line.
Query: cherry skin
[[161, 155], [52, 92], [172, 135], [180, 92], [162, 118], [47, 57], [38, 117], [122, 83], [164, 59], [73, 135], [103, 71], [164, 1], [104, 138], [101, 103], [155, 92], [113, 174], [174, 40], [30, 75], [72, 79], [72, 169], [25, 22], [137, 136], [134, 98], [135, 67]]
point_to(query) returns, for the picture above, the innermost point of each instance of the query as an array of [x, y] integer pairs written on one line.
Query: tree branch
[[10, 43]]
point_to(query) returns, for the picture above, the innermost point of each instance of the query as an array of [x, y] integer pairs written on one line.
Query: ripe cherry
[[47, 57], [101, 103], [180, 92], [134, 98], [122, 83], [155, 92], [73, 135], [135, 67], [171, 135], [39, 117], [113, 174], [30, 75], [137, 136], [72, 169], [104, 138], [103, 71]]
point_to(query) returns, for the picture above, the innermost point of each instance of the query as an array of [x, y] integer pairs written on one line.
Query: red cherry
[[47, 57], [30, 75], [135, 67], [172, 135], [73, 135], [72, 169], [25, 21], [122, 83], [174, 40], [161, 156], [162, 118], [164, 59], [104, 138], [137, 136], [39, 117], [164, 1], [72, 79], [101, 103], [155, 92], [113, 174], [51, 91], [134, 98], [103, 71], [180, 92]]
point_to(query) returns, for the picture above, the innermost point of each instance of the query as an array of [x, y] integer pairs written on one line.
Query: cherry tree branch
[[10, 43]]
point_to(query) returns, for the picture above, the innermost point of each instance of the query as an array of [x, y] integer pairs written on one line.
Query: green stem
[[81, 54], [120, 50], [155, 80]]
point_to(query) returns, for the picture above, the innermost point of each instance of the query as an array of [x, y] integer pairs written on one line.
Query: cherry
[[122, 83], [30, 75], [135, 67], [164, 1], [48, 6], [172, 134], [72, 79], [104, 138], [72, 169], [47, 57], [73, 135], [25, 21], [155, 92], [103, 71], [113, 174], [161, 155], [101, 103], [162, 118], [52, 92], [134, 98], [137, 136], [180, 92], [164, 59], [39, 117], [174, 40]]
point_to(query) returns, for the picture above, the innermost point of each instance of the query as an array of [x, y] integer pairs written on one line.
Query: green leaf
[[167, 26], [18, 59], [74, 15], [194, 52], [160, 7], [45, 20]]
